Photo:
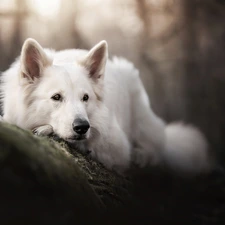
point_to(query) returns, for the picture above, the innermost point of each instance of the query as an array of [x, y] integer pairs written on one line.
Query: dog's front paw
[[44, 130]]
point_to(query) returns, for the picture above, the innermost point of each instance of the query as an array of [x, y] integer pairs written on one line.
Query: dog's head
[[64, 95]]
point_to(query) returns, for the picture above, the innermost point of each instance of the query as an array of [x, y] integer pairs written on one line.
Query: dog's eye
[[85, 98], [56, 97]]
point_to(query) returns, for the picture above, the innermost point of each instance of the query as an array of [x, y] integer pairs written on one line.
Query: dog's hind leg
[[44, 130], [179, 147]]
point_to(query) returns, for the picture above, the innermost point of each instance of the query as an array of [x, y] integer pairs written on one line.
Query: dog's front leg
[[44, 130], [113, 148]]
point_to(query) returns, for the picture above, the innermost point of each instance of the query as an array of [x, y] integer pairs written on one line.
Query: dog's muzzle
[[80, 127]]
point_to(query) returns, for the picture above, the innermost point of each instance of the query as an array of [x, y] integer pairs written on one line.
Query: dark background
[[178, 45]]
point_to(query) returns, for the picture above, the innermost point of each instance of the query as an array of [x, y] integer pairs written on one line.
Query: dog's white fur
[[123, 126]]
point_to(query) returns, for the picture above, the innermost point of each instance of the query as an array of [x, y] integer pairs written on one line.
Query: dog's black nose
[[80, 126]]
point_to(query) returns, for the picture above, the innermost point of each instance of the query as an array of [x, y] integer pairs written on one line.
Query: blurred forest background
[[178, 46]]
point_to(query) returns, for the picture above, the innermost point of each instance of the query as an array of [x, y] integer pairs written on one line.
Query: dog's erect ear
[[95, 60], [33, 59]]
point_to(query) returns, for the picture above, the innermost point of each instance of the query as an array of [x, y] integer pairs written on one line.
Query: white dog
[[99, 105]]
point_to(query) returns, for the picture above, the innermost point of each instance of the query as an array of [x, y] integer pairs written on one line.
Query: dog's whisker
[[94, 132]]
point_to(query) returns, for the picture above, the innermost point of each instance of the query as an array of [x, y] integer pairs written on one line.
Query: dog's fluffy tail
[[186, 149]]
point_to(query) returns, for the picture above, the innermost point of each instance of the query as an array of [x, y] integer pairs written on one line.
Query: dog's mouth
[[82, 137], [76, 138]]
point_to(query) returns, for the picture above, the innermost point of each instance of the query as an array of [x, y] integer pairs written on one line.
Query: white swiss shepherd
[[99, 105]]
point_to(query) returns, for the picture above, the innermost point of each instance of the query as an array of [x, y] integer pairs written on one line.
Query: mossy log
[[43, 181]]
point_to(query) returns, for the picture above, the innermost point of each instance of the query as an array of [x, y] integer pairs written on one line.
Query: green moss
[[56, 164], [50, 164]]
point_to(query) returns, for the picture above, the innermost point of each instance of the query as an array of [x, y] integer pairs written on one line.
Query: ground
[[43, 181]]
